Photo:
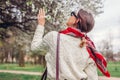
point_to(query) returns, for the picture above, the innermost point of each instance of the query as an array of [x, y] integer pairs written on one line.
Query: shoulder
[[50, 35]]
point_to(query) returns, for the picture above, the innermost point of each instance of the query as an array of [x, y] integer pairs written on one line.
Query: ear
[[78, 20]]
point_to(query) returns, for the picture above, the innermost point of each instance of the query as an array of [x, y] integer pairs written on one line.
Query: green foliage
[[6, 76]]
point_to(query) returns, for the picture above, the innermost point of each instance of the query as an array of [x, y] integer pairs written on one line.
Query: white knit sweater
[[75, 63]]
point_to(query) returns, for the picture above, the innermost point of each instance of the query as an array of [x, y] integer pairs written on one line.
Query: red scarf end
[[107, 74]]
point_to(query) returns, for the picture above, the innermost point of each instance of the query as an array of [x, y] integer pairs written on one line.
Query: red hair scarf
[[94, 54]]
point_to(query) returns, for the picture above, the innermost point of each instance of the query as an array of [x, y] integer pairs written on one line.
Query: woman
[[75, 62]]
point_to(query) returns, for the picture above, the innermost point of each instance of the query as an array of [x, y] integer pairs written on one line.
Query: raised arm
[[39, 44]]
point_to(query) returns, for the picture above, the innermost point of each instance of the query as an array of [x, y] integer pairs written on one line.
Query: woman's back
[[73, 59]]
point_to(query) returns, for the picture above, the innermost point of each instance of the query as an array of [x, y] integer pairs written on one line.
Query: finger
[[43, 12], [38, 16], [40, 11]]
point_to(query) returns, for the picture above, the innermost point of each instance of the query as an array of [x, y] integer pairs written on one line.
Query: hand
[[41, 17]]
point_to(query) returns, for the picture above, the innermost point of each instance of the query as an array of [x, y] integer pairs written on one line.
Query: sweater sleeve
[[40, 44]]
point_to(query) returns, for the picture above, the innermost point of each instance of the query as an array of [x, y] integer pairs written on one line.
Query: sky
[[108, 23]]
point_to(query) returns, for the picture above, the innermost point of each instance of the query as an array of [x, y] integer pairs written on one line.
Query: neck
[[73, 31], [73, 26]]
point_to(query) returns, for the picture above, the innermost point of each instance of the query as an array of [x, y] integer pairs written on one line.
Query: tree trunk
[[21, 59]]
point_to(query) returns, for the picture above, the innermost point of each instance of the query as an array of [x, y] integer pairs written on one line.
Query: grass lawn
[[28, 67], [114, 69], [9, 76]]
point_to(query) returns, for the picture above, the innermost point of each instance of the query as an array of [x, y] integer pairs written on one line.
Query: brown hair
[[87, 21]]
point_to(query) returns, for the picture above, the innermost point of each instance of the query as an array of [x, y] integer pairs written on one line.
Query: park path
[[20, 72], [38, 73]]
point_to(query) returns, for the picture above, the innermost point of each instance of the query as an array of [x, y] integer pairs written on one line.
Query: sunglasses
[[73, 14], [79, 24]]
